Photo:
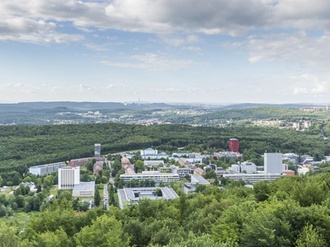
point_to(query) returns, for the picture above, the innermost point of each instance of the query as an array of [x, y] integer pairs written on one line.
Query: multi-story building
[[129, 196], [156, 176], [68, 177], [151, 163], [273, 163], [97, 150], [233, 145], [46, 169], [152, 154], [252, 178]]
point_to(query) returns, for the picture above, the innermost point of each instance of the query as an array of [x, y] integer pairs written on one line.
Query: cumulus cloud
[[309, 84], [233, 17], [312, 52], [34, 31]]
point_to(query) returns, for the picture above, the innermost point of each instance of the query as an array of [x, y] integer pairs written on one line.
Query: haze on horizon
[[214, 51]]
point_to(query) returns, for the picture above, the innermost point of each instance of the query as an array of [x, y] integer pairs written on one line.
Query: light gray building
[[273, 163], [129, 196], [84, 189], [68, 177], [252, 178], [97, 150], [151, 175], [46, 169]]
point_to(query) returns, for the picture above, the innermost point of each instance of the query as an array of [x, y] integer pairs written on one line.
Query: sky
[[189, 51]]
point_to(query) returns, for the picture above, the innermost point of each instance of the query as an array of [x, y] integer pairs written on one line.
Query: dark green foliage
[[97, 197], [24, 146]]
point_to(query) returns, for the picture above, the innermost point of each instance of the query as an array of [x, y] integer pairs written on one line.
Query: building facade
[[97, 150], [233, 145], [68, 177], [43, 170], [273, 163], [154, 175]]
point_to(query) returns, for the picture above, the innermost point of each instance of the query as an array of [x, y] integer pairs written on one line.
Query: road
[[106, 196], [105, 187]]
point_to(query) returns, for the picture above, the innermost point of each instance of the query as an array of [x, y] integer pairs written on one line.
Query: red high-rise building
[[233, 145]]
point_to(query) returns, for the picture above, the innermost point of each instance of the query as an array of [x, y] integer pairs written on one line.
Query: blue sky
[[213, 51]]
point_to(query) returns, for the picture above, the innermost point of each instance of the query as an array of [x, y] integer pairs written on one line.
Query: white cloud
[[152, 61], [310, 85], [33, 31], [311, 52], [162, 16]]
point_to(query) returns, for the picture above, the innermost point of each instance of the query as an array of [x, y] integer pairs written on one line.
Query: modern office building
[[152, 163], [196, 179], [244, 167], [156, 176], [129, 196], [97, 150], [46, 169], [273, 163], [68, 177], [233, 145], [84, 189], [152, 154], [252, 178]]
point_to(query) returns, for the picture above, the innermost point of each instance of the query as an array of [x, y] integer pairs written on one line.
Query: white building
[[151, 175], [152, 154], [97, 150], [149, 151], [152, 163], [196, 179], [129, 196], [252, 178], [46, 169], [84, 189], [248, 167], [183, 172], [68, 177], [273, 163], [292, 157]]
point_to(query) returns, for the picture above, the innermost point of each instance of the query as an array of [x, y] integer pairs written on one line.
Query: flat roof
[[85, 186], [200, 179], [130, 194]]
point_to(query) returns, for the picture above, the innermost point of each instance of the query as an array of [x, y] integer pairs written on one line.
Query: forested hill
[[48, 113], [34, 145], [255, 113]]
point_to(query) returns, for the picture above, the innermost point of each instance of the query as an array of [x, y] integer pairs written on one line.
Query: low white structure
[[196, 179], [252, 178], [46, 169], [244, 167], [152, 154], [152, 163], [84, 189], [183, 172], [129, 196], [149, 151], [151, 175]]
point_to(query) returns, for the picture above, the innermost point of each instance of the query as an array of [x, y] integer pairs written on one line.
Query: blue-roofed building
[[152, 154]]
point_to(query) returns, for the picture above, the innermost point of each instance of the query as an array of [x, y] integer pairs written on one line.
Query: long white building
[[46, 169], [152, 175], [252, 178], [68, 177]]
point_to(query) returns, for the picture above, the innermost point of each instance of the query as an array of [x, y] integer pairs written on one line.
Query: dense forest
[[24, 146], [292, 211]]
